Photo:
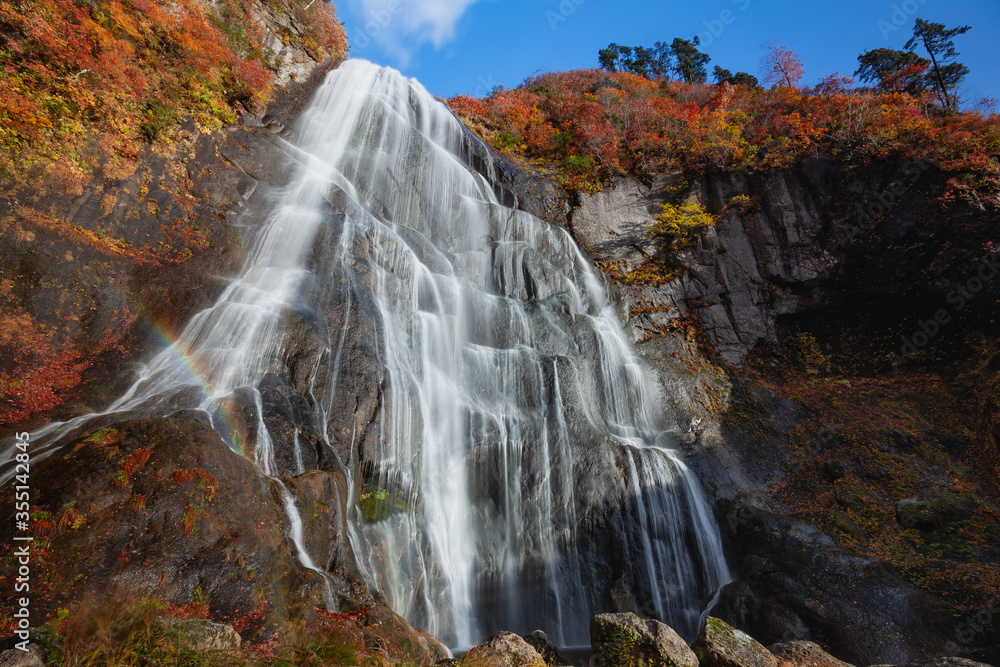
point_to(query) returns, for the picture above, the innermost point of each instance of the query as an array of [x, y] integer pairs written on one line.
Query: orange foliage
[[210, 482], [626, 124], [128, 69]]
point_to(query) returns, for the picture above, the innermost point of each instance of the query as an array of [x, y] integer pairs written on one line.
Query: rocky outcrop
[[788, 242], [740, 277], [804, 654], [626, 639], [721, 645], [96, 277], [504, 649]]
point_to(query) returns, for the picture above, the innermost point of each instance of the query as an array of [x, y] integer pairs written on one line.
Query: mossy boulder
[[934, 512], [721, 645], [202, 634], [625, 640], [504, 649], [804, 654]]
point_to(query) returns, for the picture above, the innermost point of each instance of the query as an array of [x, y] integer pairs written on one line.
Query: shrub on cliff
[[630, 125]]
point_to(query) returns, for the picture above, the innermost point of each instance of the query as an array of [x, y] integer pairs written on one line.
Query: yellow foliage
[[678, 226]]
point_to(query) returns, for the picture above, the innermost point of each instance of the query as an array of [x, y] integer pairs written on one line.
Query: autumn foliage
[[37, 372], [127, 69], [598, 125]]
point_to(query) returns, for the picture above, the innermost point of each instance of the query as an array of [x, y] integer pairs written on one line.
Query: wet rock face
[[161, 508], [99, 276], [626, 639]]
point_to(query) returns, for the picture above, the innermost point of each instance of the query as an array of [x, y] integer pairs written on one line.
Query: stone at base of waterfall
[[550, 654], [203, 635], [721, 645], [504, 649], [626, 639], [805, 654], [15, 657], [942, 662]]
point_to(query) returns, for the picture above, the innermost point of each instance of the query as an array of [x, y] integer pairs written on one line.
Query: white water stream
[[520, 466]]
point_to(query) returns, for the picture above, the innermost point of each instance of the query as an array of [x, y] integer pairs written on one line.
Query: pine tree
[[946, 74], [889, 69], [689, 62]]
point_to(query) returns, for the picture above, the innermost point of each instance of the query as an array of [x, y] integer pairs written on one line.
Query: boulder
[[550, 654], [934, 512], [804, 654], [721, 645], [15, 657], [504, 649], [942, 662], [203, 635], [626, 639]]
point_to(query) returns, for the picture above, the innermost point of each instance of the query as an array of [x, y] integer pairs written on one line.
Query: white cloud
[[401, 27]]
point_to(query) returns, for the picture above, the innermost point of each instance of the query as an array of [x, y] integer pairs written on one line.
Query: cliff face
[[821, 413], [122, 185]]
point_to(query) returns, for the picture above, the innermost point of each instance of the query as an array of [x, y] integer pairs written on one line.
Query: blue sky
[[470, 46]]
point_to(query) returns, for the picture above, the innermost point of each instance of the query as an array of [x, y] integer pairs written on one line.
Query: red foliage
[[596, 125], [189, 610], [128, 68], [38, 371]]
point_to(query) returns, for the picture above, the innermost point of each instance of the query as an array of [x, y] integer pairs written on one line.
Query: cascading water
[[462, 361]]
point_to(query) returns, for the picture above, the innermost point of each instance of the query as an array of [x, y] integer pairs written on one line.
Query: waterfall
[[462, 361]]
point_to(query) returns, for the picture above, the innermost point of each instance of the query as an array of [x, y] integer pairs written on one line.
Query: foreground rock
[[805, 654], [14, 657], [942, 662], [552, 656], [504, 649], [721, 645], [203, 635], [626, 639]]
